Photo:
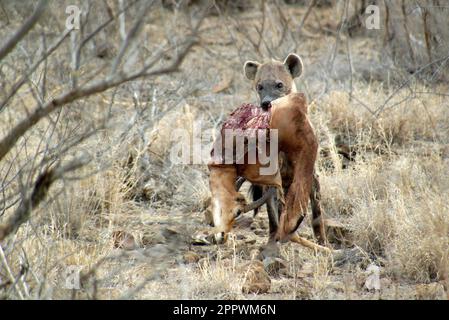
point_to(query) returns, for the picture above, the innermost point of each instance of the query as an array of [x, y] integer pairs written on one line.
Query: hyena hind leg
[[273, 217], [275, 206], [317, 212]]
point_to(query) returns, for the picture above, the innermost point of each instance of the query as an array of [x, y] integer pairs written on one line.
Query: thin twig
[[40, 190], [24, 29], [10, 275], [306, 15], [33, 68]]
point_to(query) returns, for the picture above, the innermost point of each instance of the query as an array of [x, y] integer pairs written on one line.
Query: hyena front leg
[[274, 209]]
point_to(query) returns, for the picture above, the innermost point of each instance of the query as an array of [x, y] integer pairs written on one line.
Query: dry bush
[[409, 226], [407, 121], [396, 210]]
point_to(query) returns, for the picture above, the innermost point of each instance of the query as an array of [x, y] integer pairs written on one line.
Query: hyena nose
[[266, 104]]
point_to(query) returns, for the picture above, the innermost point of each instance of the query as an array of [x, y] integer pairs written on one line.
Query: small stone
[[257, 279]]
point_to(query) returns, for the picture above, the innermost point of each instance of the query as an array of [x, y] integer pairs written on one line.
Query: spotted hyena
[[272, 80]]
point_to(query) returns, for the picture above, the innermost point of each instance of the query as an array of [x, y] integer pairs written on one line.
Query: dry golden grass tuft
[[393, 201]]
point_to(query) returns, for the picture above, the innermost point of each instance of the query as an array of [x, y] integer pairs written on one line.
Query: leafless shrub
[[50, 127]]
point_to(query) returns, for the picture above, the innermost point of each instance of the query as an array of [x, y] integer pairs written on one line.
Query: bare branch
[[10, 274], [33, 68], [306, 14], [27, 26], [40, 190], [132, 34], [98, 86]]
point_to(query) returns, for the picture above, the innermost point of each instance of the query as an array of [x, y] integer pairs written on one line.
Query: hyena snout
[[269, 91], [266, 103]]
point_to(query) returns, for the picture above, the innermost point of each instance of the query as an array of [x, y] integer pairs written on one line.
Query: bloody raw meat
[[246, 120], [248, 116]]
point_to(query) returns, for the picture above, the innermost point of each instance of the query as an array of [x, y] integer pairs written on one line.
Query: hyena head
[[273, 79]]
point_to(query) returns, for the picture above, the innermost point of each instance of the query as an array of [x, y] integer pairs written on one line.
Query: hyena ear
[[250, 69], [294, 64]]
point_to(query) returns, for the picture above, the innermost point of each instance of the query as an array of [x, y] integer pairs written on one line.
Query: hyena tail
[[256, 193]]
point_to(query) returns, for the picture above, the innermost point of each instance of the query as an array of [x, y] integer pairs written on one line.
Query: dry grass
[[392, 198]]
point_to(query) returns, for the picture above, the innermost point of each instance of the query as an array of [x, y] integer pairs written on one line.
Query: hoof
[[220, 237]]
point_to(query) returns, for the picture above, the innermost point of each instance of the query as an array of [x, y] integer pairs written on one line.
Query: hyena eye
[[280, 85], [259, 87]]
